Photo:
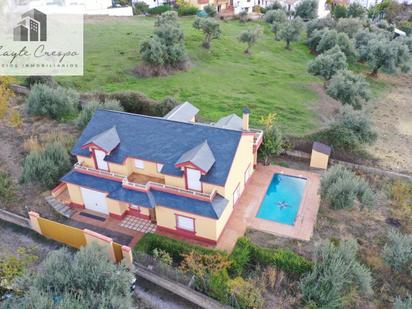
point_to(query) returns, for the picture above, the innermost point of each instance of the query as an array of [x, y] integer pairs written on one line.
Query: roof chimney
[[245, 119]]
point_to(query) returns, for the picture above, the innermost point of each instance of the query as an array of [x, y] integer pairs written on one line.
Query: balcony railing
[[258, 137], [145, 187]]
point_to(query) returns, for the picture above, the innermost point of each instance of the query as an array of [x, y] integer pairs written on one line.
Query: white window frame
[[99, 155], [159, 167], [186, 223], [248, 173], [135, 207], [139, 164], [236, 194]]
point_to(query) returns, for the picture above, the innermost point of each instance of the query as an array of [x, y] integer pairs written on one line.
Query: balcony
[[144, 183], [257, 139]]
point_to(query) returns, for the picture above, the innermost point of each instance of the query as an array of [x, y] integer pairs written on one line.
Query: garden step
[[61, 208]]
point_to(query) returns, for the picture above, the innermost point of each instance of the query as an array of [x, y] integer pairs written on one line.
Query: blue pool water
[[282, 199]]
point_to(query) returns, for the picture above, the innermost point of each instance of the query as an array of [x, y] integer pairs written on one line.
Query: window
[[135, 207], [139, 164], [236, 194], [185, 223], [248, 172], [159, 167]]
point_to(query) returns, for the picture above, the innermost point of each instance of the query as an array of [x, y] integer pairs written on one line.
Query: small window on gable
[[159, 167], [139, 164]]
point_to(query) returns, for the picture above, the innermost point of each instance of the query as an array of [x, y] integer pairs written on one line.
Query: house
[[184, 176]]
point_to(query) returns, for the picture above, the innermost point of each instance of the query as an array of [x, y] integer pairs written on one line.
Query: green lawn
[[221, 80]]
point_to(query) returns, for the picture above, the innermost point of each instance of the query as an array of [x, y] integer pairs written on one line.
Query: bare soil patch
[[327, 107], [14, 148], [392, 116]]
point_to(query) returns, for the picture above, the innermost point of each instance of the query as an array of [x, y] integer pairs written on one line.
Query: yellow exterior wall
[[75, 194], [175, 181], [116, 207], [319, 160], [204, 227], [89, 162], [119, 169], [144, 211]]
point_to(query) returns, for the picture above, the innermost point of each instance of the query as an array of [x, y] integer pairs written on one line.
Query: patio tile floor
[[138, 224]]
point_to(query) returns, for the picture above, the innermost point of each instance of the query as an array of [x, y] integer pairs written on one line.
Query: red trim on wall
[[75, 205], [118, 217], [137, 215], [59, 186], [190, 165], [90, 145], [169, 232]]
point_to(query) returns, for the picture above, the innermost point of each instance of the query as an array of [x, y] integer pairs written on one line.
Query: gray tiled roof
[[322, 148], [232, 121], [201, 156], [183, 112], [107, 140]]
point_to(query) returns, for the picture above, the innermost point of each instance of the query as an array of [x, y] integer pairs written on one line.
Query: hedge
[[246, 253], [174, 247], [159, 9]]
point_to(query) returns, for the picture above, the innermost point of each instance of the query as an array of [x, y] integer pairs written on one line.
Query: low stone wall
[[15, 219]]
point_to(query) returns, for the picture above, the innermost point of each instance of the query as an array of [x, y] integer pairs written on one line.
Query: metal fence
[[168, 272]]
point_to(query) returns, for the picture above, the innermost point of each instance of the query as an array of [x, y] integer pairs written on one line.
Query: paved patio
[[244, 214]]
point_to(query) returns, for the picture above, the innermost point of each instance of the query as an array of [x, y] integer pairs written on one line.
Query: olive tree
[[88, 111], [278, 17], [349, 26], [290, 31], [319, 24], [250, 36], [307, 9], [210, 28], [387, 56], [86, 279], [210, 10], [356, 9], [349, 88], [331, 38], [351, 130], [328, 64]]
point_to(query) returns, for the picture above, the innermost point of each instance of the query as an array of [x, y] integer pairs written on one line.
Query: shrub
[[328, 64], [403, 304], [140, 8], [159, 9], [30, 81], [307, 9], [250, 36], [187, 10], [5, 94], [218, 286], [175, 248], [210, 10], [46, 166], [243, 16], [401, 192], [88, 111], [349, 88], [240, 256], [210, 28], [406, 26], [336, 271], [246, 293], [341, 187], [356, 9], [162, 256], [350, 130], [55, 103], [397, 252], [7, 188], [16, 119], [340, 11], [272, 143]]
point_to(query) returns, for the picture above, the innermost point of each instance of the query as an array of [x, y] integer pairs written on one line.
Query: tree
[[341, 188], [319, 24], [272, 16], [164, 51], [86, 279], [362, 39], [272, 143], [210, 28], [328, 64], [331, 38], [307, 9], [250, 36], [88, 111], [387, 56], [279, 17], [350, 130], [349, 26], [210, 10], [290, 31], [356, 9], [336, 271], [349, 88], [339, 11], [314, 39]]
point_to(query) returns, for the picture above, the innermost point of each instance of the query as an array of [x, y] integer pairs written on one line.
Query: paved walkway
[[244, 214]]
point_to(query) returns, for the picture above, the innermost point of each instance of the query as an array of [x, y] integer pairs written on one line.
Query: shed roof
[[163, 141], [201, 156], [183, 112], [322, 148], [107, 140], [211, 209], [232, 121]]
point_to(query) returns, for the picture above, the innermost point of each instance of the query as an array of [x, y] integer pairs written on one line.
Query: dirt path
[[392, 116]]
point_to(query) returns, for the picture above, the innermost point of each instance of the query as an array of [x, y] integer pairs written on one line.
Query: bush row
[[246, 253]]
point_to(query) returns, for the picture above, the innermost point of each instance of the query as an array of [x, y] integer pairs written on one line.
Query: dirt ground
[[370, 228], [391, 113], [14, 146]]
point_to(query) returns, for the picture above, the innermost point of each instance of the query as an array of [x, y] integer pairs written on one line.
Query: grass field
[[221, 80]]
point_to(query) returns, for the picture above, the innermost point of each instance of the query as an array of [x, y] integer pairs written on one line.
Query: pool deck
[[244, 214]]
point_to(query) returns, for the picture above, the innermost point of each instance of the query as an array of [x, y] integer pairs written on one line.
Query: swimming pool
[[282, 199]]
